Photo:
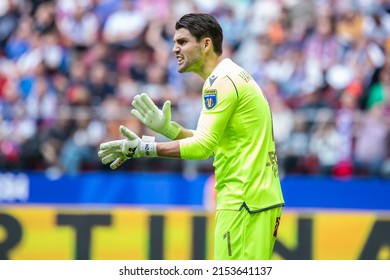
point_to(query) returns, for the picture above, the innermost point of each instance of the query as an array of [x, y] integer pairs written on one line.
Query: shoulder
[[224, 75]]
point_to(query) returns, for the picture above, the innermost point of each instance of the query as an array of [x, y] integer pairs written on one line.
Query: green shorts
[[240, 235]]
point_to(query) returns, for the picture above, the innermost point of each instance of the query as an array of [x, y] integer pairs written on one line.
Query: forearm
[[168, 149]]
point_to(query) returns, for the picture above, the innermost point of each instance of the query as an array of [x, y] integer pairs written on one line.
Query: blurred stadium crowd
[[70, 68]]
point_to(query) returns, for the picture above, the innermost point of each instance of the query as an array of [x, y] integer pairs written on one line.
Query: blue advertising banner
[[175, 189], [102, 188]]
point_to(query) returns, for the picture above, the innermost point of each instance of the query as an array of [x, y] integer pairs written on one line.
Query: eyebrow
[[180, 39]]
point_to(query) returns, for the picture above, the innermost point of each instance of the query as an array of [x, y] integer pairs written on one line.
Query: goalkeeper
[[235, 126]]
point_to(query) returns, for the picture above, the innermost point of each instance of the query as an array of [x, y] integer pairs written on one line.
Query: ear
[[207, 44]]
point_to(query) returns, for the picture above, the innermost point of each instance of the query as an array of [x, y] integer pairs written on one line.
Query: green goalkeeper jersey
[[235, 126]]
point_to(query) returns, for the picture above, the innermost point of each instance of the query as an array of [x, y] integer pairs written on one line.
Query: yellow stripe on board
[[341, 235], [126, 239], [48, 233], [41, 238], [178, 235]]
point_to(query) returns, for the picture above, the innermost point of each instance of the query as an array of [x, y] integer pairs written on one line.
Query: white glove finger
[[167, 109], [112, 145], [137, 107], [148, 102], [109, 158], [117, 163], [128, 133], [104, 153], [137, 114], [139, 104]]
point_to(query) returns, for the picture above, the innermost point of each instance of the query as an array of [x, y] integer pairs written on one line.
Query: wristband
[[148, 146]]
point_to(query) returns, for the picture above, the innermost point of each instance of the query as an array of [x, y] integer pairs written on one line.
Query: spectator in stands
[[100, 82], [376, 24], [20, 39], [125, 27], [42, 102], [296, 148], [9, 20], [78, 151], [371, 141], [325, 141], [379, 92], [321, 47], [346, 118], [53, 141], [283, 124], [79, 29], [44, 17]]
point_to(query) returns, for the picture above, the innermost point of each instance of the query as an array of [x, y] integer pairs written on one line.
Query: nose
[[175, 48]]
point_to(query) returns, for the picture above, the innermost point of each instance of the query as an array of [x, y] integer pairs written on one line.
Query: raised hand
[[154, 118]]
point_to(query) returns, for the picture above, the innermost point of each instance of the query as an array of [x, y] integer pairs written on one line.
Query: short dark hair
[[202, 25]]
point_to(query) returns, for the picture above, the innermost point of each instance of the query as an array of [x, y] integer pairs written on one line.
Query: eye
[[181, 42]]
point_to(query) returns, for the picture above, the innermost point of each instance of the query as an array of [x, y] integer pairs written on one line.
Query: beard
[[191, 63]]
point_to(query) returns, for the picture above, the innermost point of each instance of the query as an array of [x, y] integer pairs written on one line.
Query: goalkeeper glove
[[132, 146], [157, 120]]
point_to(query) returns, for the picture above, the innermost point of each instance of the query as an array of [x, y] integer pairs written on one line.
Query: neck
[[209, 65]]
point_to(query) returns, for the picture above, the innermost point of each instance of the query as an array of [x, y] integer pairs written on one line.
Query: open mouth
[[180, 60]]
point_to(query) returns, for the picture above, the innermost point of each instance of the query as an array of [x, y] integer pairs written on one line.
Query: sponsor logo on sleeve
[[212, 79], [210, 98]]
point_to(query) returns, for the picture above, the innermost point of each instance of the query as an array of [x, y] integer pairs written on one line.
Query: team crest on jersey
[[210, 98]]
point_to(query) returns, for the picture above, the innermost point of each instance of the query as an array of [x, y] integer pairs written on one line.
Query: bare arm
[[168, 149], [172, 149]]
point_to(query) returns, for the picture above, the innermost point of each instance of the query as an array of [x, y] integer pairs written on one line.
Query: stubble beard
[[185, 67], [191, 63], [189, 66]]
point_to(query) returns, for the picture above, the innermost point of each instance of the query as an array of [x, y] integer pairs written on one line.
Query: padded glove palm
[[154, 118]]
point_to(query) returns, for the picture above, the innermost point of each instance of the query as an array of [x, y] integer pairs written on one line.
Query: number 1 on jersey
[[227, 237]]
